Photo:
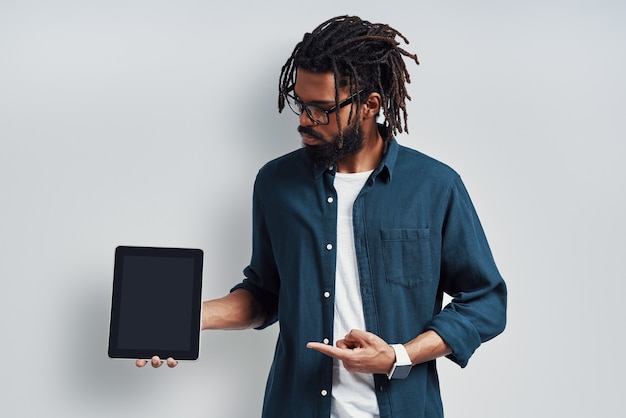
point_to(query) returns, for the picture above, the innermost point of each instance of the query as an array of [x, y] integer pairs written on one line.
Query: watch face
[[400, 372], [402, 366]]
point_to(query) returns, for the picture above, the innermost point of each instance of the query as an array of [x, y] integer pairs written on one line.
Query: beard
[[328, 154]]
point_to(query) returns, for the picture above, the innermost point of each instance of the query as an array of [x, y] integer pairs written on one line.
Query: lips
[[309, 140], [309, 137]]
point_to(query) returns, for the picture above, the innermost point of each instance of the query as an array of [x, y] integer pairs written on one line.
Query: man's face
[[322, 142]]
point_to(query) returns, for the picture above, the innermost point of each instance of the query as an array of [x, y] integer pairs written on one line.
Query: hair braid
[[362, 55]]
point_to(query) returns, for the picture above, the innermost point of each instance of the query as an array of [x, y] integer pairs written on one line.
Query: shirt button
[[326, 294], [329, 247], [324, 392], [326, 341], [330, 199]]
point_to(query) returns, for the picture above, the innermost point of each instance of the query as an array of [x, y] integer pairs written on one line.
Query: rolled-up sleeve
[[469, 275], [261, 275]]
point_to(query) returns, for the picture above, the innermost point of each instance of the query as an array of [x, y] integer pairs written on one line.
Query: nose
[[305, 119]]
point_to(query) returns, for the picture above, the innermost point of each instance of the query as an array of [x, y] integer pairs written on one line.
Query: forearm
[[237, 310], [426, 347], [364, 352]]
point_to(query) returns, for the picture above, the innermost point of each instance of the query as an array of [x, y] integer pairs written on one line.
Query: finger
[[345, 345], [140, 363], [353, 340], [156, 362], [329, 350], [359, 338], [357, 335], [171, 363]]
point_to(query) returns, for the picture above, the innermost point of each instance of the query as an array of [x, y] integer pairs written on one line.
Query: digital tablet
[[156, 304]]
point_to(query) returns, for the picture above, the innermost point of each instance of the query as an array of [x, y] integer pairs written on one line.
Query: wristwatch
[[402, 366]]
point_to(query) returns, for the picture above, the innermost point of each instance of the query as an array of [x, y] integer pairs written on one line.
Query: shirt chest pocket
[[406, 256]]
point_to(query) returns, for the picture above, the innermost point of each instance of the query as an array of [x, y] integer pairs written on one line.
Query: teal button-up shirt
[[416, 236]]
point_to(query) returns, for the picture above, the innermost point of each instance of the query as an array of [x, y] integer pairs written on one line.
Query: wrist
[[402, 364]]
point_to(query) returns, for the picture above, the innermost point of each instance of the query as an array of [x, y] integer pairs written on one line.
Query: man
[[355, 240]]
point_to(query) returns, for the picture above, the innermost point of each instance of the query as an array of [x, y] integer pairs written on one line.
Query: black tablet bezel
[[196, 303]]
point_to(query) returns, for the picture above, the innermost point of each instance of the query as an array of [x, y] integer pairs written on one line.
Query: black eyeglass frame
[[305, 107]]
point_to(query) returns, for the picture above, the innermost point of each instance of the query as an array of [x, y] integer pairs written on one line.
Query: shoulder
[[413, 163], [293, 161], [284, 161], [292, 165]]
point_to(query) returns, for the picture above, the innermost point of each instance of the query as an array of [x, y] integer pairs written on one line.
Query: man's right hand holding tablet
[[237, 310]]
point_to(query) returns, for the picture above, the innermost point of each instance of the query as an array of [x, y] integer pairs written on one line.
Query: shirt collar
[[318, 171], [384, 169]]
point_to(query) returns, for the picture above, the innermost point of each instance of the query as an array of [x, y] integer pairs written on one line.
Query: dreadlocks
[[363, 56]]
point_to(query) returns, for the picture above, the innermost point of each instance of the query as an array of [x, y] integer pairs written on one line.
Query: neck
[[367, 158]]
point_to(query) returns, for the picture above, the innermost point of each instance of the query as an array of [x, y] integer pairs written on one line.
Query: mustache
[[307, 130]]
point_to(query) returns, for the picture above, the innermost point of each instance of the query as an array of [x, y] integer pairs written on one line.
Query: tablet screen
[[156, 303]]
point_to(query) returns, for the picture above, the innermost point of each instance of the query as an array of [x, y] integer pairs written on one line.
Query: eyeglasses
[[317, 114]]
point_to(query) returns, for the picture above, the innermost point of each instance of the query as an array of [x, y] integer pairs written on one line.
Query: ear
[[371, 106]]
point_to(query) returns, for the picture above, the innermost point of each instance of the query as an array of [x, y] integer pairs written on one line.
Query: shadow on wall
[[89, 373], [105, 386], [226, 370], [269, 134]]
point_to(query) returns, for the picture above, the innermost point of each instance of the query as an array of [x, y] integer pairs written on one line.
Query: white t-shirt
[[353, 394]]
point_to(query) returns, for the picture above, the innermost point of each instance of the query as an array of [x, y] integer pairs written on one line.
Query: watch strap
[[402, 365]]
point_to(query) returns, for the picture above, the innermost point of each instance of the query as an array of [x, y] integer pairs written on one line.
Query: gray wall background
[[144, 123]]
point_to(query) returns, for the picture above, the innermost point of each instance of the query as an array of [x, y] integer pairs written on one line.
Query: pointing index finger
[[329, 350]]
